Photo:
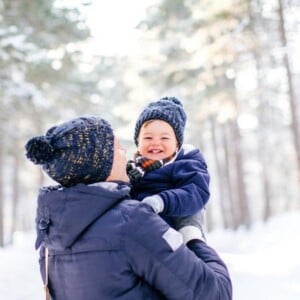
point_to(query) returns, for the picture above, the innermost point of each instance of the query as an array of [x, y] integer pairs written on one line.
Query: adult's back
[[102, 246]]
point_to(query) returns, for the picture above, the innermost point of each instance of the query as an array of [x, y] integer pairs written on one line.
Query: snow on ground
[[264, 262], [19, 270]]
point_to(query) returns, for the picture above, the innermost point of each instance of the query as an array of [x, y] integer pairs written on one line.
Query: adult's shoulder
[[133, 209], [129, 205], [141, 219]]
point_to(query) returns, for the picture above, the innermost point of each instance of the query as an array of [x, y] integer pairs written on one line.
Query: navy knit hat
[[168, 109], [77, 151]]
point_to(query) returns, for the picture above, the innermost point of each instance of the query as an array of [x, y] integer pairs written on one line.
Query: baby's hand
[[156, 202]]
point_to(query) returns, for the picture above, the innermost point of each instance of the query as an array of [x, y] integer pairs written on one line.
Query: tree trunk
[[222, 190], [15, 193], [227, 178], [1, 195], [267, 210], [292, 98], [262, 112], [242, 203]]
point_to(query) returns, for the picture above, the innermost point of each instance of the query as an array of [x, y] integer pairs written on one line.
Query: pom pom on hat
[[77, 151], [168, 109], [39, 150]]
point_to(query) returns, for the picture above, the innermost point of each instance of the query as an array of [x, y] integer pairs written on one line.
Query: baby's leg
[[197, 220]]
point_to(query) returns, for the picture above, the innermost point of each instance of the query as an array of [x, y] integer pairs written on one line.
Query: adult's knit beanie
[[168, 109], [77, 151]]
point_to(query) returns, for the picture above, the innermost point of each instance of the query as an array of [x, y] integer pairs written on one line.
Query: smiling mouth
[[155, 151]]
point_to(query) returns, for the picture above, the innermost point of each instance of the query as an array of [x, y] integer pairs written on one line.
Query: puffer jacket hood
[[63, 214]]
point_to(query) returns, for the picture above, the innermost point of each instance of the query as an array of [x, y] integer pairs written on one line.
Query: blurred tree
[[272, 96], [222, 59], [294, 105], [29, 31], [2, 242], [196, 51]]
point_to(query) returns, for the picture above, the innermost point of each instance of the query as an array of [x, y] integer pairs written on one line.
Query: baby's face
[[157, 140]]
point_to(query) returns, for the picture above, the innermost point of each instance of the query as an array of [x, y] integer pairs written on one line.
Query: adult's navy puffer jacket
[[102, 246]]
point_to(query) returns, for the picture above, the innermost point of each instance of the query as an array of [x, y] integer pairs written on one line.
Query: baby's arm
[[191, 192], [191, 189]]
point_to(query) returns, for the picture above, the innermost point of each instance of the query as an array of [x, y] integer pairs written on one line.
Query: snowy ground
[[264, 263]]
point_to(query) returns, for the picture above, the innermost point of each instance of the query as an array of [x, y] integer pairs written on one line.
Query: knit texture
[[77, 151], [168, 109]]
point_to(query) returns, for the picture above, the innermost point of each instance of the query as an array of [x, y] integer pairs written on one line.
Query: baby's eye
[[147, 138], [165, 138]]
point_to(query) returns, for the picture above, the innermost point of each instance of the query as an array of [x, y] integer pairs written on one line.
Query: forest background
[[235, 64]]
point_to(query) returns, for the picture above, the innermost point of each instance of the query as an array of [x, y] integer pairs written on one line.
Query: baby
[[166, 174]]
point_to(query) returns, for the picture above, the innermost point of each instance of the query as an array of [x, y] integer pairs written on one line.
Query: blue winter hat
[[168, 109], [77, 151]]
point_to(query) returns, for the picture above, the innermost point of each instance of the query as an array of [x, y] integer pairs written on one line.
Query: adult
[[99, 243]]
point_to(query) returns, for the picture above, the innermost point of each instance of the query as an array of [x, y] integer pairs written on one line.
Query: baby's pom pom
[[172, 99]]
